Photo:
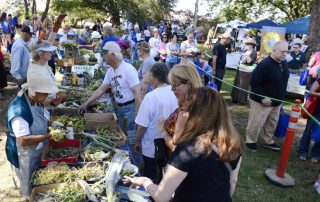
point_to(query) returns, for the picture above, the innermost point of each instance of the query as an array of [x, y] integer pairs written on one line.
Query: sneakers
[[273, 146], [252, 146], [316, 186]]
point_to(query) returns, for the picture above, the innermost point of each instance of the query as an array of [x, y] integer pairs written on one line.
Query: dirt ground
[[8, 192]]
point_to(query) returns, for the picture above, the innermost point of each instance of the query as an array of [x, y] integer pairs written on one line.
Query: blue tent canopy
[[232, 24], [259, 24], [298, 26]]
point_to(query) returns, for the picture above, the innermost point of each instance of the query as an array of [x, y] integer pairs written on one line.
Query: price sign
[[84, 68]]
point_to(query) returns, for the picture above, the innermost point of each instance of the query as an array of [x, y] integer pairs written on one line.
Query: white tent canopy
[[232, 24]]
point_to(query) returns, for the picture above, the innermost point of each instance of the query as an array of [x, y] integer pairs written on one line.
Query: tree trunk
[[313, 39], [196, 14], [45, 13], [34, 7], [26, 8]]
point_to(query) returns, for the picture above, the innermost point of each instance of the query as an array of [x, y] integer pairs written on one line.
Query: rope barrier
[[262, 96]]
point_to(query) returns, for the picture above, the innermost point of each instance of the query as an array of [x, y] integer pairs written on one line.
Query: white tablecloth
[[233, 60], [293, 85]]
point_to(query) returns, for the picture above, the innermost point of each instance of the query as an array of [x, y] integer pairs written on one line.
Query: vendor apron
[[29, 156]]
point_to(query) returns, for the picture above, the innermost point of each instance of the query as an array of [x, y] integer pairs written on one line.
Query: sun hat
[[95, 35], [250, 41], [46, 49], [111, 47], [41, 45], [38, 82]]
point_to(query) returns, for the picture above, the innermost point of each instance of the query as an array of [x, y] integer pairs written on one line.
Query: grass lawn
[[252, 184]]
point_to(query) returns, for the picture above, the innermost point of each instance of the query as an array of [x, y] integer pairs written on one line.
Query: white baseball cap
[[111, 47], [95, 35], [38, 82]]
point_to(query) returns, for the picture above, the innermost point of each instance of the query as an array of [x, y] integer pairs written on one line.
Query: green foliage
[[76, 10], [250, 10], [132, 10]]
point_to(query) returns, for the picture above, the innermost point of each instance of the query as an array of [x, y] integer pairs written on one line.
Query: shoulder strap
[[215, 149]]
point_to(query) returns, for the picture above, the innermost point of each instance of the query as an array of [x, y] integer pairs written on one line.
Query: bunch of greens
[[64, 193], [68, 45]]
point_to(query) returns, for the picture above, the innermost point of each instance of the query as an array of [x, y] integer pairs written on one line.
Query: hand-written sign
[[84, 68]]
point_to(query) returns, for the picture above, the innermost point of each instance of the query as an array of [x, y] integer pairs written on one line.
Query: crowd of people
[[173, 121]]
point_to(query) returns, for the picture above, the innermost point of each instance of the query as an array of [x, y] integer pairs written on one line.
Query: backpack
[[18, 108]]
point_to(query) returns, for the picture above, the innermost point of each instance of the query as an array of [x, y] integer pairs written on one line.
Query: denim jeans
[[126, 115], [303, 149]]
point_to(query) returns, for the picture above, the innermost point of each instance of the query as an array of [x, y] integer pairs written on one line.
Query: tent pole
[[215, 31]]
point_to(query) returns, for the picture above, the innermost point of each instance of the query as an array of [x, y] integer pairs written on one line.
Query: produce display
[[91, 161], [69, 45], [127, 172], [57, 134], [63, 173], [76, 122], [63, 193], [55, 153]]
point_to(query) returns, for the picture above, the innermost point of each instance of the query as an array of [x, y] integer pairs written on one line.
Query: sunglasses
[[175, 86]]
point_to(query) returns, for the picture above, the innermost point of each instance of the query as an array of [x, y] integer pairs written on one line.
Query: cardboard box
[[100, 120], [67, 62]]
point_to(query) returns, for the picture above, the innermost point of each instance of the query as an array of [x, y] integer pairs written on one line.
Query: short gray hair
[[108, 29], [118, 56], [279, 44]]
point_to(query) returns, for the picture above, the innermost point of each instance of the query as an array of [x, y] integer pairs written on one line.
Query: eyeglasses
[[175, 86], [296, 47]]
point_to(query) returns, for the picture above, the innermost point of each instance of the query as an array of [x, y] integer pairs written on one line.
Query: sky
[[190, 4]]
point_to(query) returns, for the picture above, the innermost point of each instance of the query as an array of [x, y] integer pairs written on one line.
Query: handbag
[[160, 152], [283, 124], [310, 106], [315, 134], [303, 77]]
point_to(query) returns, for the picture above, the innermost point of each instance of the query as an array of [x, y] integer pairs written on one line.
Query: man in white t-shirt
[[123, 80], [159, 103]]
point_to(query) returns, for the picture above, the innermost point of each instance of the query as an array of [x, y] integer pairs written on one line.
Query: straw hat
[[250, 41]]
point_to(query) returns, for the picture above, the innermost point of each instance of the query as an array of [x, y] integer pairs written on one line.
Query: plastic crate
[[65, 143]]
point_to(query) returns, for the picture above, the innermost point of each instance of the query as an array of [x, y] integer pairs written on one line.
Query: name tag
[[46, 114]]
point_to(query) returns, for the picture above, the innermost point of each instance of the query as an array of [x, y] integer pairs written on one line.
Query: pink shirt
[[162, 46], [316, 63]]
